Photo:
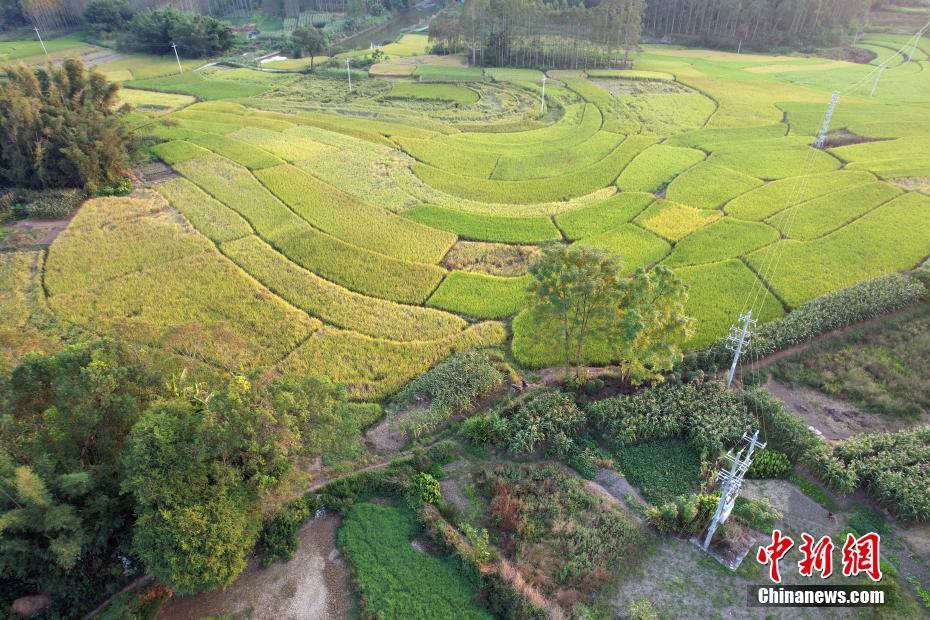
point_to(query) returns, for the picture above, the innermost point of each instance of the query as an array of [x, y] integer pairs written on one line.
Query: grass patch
[[662, 469], [486, 227], [888, 239], [716, 293], [726, 238], [655, 167], [210, 84], [335, 304], [480, 296], [603, 216], [442, 73], [707, 186], [349, 219], [814, 491], [396, 580], [177, 151], [637, 247], [771, 198]]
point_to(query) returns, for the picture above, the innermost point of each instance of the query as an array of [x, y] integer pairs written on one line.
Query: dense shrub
[[196, 36], [51, 204], [683, 515], [707, 415], [479, 430], [61, 127], [770, 464], [759, 514], [107, 15], [452, 387], [548, 419], [423, 489]]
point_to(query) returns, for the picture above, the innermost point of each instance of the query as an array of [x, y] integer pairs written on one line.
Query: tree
[[639, 319], [11, 14], [576, 288], [198, 516], [63, 424], [61, 127], [310, 41], [108, 15], [197, 467], [196, 36], [650, 325]]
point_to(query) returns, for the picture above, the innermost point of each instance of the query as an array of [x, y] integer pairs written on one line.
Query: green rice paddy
[[336, 210]]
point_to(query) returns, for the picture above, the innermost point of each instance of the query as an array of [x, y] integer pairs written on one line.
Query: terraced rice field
[[310, 228]]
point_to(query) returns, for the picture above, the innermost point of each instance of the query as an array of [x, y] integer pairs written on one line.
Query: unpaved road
[[312, 586]]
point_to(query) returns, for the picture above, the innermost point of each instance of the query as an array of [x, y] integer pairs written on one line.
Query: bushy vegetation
[[770, 464], [452, 387], [61, 127], [705, 415], [543, 516]]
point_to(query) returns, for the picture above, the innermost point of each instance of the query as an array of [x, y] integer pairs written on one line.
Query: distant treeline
[[760, 23], [542, 34]]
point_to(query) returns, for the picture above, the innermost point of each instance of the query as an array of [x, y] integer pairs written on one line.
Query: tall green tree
[[309, 41], [576, 288], [61, 127], [584, 294], [196, 36], [64, 420]]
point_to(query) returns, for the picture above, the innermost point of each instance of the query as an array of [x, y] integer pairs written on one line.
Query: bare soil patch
[[834, 419], [496, 259], [32, 234], [313, 585], [799, 512], [155, 172], [615, 488]]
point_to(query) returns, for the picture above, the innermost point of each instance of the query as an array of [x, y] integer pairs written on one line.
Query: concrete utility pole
[[825, 126], [877, 78], [176, 57], [36, 28], [542, 102], [739, 48], [349, 74], [738, 338], [732, 482]]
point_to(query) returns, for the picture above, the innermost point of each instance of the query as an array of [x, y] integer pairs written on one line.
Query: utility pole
[[176, 57], [349, 74], [542, 102], [825, 127], [910, 56], [739, 48], [738, 338], [36, 28], [732, 481], [877, 78]]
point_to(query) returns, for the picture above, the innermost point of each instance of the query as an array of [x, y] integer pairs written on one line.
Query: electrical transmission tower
[[825, 127], [732, 481], [739, 337]]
